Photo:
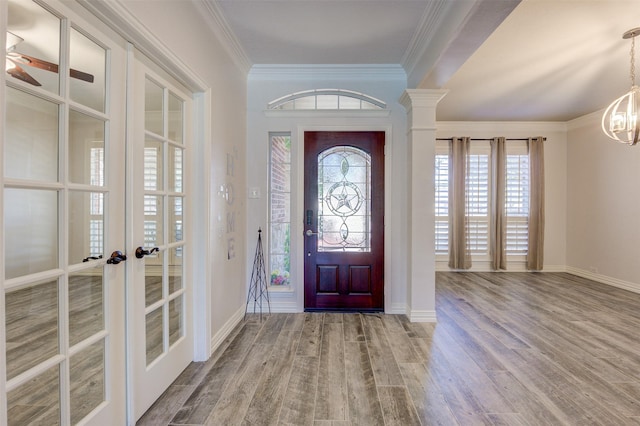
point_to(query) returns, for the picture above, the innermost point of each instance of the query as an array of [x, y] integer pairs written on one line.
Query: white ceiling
[[548, 60]]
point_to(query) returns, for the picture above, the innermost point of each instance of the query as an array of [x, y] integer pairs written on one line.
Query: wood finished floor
[[508, 349]]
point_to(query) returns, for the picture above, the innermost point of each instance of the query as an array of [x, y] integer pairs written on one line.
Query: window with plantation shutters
[[478, 194]]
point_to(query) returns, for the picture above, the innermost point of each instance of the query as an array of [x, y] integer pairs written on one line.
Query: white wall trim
[[614, 282], [421, 316], [534, 127], [327, 113], [226, 329], [315, 72], [397, 309]]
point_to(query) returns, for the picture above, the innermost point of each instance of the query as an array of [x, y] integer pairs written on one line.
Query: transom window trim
[[326, 99]]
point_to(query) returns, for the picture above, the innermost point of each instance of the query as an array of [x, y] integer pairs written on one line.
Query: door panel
[[160, 306], [63, 315], [344, 220]]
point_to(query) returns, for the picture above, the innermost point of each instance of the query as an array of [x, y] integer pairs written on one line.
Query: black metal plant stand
[[258, 290]]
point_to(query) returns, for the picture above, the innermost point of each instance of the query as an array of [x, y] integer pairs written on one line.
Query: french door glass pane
[[86, 370], [153, 107], [87, 61], [31, 326], [86, 149], [153, 327], [31, 144], [175, 221], [39, 38], [86, 233], [153, 165], [153, 220], [344, 200], [153, 279], [86, 304], [45, 390], [31, 231], [175, 118], [175, 270], [176, 325], [175, 169]]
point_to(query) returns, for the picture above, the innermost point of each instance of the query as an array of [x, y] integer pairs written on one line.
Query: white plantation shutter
[[442, 203], [517, 204], [477, 183]]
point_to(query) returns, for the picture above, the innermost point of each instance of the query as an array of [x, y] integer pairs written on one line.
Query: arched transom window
[[326, 99]]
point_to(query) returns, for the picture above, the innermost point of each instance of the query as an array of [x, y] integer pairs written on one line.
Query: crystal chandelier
[[621, 120]]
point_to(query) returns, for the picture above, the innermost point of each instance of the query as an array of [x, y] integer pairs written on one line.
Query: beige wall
[[603, 205]]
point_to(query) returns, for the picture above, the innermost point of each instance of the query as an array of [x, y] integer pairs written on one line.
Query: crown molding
[[290, 72], [219, 25], [426, 31], [534, 127]]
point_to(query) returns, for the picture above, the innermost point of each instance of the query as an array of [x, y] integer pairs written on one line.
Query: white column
[[421, 138]]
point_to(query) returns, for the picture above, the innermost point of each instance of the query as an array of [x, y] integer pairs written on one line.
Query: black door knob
[[140, 252], [116, 257]]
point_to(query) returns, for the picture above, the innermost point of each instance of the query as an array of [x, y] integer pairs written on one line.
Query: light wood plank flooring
[[508, 349]]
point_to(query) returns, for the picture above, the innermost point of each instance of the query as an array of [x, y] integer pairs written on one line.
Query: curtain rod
[[486, 139]]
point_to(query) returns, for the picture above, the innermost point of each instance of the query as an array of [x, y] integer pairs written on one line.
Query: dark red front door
[[344, 221]]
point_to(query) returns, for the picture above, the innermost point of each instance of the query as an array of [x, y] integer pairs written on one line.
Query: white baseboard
[[226, 329], [421, 316], [397, 309], [625, 285]]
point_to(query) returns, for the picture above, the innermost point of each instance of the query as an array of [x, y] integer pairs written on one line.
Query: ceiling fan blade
[[49, 66], [38, 63], [21, 74], [80, 75]]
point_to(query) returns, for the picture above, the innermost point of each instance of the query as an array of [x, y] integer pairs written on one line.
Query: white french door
[[62, 321], [159, 302]]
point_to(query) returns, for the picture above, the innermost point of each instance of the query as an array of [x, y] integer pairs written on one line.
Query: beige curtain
[[498, 222], [535, 258], [459, 254]]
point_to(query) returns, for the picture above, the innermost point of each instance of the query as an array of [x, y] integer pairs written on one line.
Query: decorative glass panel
[[344, 200], [153, 108], [87, 369], [31, 231], [87, 61], [86, 304], [86, 149], [32, 326], [31, 146]]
